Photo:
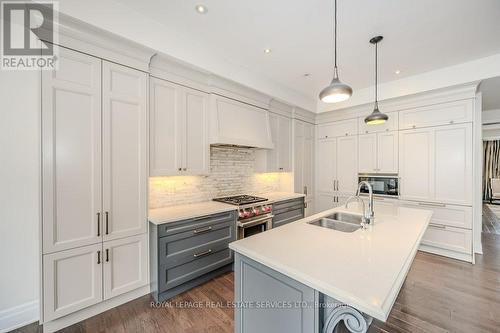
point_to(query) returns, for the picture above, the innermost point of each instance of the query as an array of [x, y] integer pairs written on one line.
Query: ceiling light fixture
[[376, 117], [267, 51], [336, 91], [397, 72], [201, 9]]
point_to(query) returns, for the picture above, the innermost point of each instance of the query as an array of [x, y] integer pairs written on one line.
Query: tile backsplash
[[231, 172]]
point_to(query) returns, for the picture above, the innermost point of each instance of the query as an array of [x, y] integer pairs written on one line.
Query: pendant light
[[336, 91], [376, 117]]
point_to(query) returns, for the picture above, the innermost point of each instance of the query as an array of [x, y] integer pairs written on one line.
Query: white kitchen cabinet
[[125, 264], [124, 151], [304, 162], [367, 153], [448, 241], [71, 149], [347, 164], [390, 125], [278, 159], [178, 130], [324, 201], [326, 165], [378, 152], [338, 128], [72, 280], [436, 164], [435, 115], [444, 214]]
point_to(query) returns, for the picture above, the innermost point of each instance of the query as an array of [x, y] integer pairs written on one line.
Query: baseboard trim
[[18, 316], [446, 253]]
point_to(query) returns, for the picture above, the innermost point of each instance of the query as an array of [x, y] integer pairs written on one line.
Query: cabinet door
[[165, 123], [415, 164], [387, 152], [367, 153], [72, 280], [324, 201], [326, 165], [284, 144], [347, 164], [196, 146], [453, 164], [308, 163], [439, 114], [125, 265], [71, 152], [298, 158], [124, 151], [272, 154]]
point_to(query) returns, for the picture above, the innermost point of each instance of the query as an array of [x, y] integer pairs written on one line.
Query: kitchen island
[[306, 278]]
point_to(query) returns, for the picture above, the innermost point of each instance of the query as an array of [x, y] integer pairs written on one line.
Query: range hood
[[234, 123]]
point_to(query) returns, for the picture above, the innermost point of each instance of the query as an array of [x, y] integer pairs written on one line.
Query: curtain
[[491, 165]]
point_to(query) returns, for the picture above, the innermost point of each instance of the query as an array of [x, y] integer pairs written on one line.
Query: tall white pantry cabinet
[[94, 190]]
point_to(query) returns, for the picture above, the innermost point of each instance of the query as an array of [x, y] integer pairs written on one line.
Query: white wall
[[19, 196]]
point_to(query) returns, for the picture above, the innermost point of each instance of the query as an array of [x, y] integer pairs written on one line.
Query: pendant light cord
[[376, 75], [335, 40]]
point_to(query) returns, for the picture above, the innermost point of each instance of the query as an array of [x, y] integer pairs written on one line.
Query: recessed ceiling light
[[397, 72], [267, 51], [201, 9], [306, 74]]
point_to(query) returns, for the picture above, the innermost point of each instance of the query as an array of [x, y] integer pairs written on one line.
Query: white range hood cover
[[238, 124]]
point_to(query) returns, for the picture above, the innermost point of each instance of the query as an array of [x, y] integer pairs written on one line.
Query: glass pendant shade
[[335, 92]]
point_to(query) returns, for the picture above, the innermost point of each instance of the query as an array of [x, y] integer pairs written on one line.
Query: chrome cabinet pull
[[107, 222], [98, 257], [107, 255], [431, 204], [200, 231], [437, 226], [305, 190], [180, 169], [201, 254], [305, 204], [98, 224]]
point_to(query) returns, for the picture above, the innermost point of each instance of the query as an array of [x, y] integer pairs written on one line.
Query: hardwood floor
[[439, 295], [491, 219]]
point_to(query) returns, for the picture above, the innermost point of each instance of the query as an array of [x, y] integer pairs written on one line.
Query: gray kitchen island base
[[268, 301]]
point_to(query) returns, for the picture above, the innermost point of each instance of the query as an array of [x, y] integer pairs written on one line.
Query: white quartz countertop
[[187, 211], [364, 269]]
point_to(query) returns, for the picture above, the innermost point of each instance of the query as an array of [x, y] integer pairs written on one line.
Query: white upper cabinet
[[434, 115], [347, 164], [436, 164], [178, 130], [367, 152], [390, 125], [338, 128], [303, 168], [378, 152], [124, 143], [71, 149], [278, 159], [337, 165], [125, 264], [236, 123]]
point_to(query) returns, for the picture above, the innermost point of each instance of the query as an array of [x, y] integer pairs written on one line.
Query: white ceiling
[[419, 36]]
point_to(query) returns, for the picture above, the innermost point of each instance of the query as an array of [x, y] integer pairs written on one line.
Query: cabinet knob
[[185, 169], [452, 122], [414, 126], [180, 169]]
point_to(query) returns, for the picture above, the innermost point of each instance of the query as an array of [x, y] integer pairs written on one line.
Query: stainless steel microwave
[[387, 185]]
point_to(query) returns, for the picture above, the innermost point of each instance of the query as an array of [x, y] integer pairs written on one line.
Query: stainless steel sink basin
[[339, 221], [345, 217]]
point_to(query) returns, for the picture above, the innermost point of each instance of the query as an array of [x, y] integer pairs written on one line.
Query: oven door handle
[[254, 222]]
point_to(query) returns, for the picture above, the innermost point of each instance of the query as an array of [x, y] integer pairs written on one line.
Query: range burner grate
[[239, 200]]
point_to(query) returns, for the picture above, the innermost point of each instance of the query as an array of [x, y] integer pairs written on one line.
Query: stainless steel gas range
[[255, 215]]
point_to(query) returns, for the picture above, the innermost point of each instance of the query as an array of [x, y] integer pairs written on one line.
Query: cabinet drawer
[[338, 128], [291, 204], [182, 247], [195, 223], [288, 216], [448, 238], [175, 276], [447, 215], [390, 125], [435, 115]]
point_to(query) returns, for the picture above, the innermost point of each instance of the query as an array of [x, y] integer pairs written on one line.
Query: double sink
[[339, 221]]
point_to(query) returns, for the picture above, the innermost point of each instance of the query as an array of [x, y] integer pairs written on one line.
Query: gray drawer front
[[292, 204], [195, 223], [180, 248], [175, 276], [288, 216]]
